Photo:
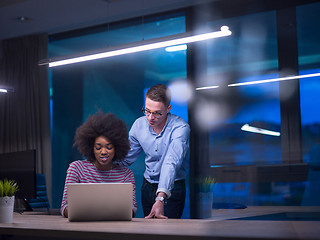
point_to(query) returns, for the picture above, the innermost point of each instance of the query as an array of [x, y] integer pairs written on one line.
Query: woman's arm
[[72, 177]]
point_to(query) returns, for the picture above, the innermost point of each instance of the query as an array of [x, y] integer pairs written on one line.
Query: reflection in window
[[116, 34], [309, 62], [249, 54], [309, 55], [231, 117]]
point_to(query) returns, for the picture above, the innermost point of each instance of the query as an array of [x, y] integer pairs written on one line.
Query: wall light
[[3, 90], [249, 128], [138, 47], [6, 89]]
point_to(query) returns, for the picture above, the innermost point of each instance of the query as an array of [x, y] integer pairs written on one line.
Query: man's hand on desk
[[157, 210]]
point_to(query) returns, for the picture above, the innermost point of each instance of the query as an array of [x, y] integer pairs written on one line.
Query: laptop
[[100, 201]]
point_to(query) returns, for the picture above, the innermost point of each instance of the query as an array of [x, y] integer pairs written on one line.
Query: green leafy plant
[[205, 184], [8, 188]]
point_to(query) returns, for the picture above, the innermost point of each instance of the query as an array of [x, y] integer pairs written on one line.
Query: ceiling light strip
[[249, 128], [205, 88], [224, 31], [176, 48], [275, 79], [264, 81]]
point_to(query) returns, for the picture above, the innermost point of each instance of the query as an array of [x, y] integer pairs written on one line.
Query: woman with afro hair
[[102, 140]]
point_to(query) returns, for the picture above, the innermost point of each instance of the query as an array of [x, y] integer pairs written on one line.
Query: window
[[309, 55], [114, 85], [249, 54], [247, 166]]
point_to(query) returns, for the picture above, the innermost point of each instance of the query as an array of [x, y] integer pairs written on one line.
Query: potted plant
[[8, 189], [205, 196]]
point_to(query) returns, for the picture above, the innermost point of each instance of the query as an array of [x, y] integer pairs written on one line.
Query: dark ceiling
[[25, 17]]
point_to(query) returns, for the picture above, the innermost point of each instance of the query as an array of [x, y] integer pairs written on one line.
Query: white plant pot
[[6, 209]]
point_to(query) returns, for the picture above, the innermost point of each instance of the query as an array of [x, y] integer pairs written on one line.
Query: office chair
[[41, 200]]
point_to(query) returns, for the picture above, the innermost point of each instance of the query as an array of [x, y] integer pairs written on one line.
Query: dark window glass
[[243, 121], [309, 63], [240, 125]]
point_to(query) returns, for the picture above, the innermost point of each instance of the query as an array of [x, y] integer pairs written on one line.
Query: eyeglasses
[[148, 113]]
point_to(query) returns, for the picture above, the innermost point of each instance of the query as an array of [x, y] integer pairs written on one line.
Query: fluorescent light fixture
[[177, 39], [177, 48], [249, 128], [265, 81], [6, 89], [205, 88], [275, 79]]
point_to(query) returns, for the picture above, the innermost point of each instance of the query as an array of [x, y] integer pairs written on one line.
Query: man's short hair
[[159, 93]]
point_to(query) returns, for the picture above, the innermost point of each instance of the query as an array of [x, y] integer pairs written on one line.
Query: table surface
[[224, 224]]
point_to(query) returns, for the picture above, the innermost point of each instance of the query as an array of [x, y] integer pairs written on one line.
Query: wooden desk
[[35, 225]]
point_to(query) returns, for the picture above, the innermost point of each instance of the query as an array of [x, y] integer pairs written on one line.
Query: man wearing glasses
[[164, 137]]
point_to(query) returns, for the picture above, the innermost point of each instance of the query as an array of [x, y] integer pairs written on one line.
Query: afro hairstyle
[[102, 124]]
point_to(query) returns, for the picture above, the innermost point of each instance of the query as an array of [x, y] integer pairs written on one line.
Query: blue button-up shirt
[[166, 154]]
